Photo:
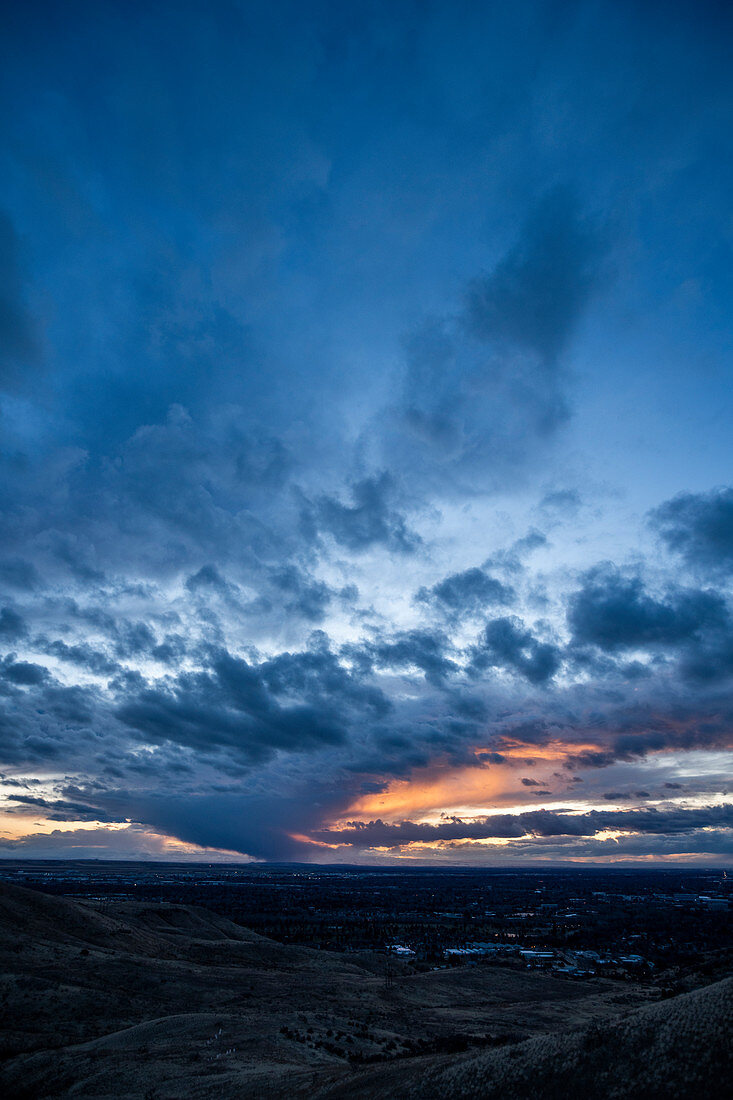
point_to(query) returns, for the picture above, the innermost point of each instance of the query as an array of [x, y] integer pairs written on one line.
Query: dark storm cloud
[[19, 343], [318, 675], [530, 730], [19, 574], [485, 390], [301, 595], [12, 625], [44, 722], [621, 796], [169, 333], [134, 639], [259, 825], [652, 732], [491, 758], [255, 820], [536, 294], [710, 661], [370, 520], [286, 591], [699, 526], [175, 505], [208, 577], [468, 593], [507, 644], [199, 481], [715, 843], [70, 705], [60, 809], [423, 649], [243, 714], [171, 650], [22, 673], [660, 718], [80, 654], [615, 612], [229, 707]]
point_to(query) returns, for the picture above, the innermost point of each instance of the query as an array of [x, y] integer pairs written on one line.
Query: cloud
[[371, 520], [174, 497], [285, 592], [535, 295], [19, 574], [699, 526], [134, 639], [491, 758], [228, 708], [259, 823], [561, 502], [19, 341], [303, 596], [468, 593], [12, 625], [535, 823], [42, 721], [614, 612], [710, 661], [60, 809], [318, 676], [512, 561], [484, 390], [649, 733], [209, 577], [80, 654], [423, 649], [506, 643], [22, 673], [133, 842]]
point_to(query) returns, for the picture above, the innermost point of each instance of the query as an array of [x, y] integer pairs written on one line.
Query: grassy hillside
[[678, 1048], [165, 1002]]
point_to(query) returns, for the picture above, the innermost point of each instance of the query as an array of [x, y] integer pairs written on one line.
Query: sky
[[366, 382]]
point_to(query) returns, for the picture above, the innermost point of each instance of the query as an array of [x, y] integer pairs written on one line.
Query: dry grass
[[165, 1002], [676, 1050]]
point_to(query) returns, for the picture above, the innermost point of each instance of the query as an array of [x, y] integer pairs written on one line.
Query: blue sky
[[365, 391]]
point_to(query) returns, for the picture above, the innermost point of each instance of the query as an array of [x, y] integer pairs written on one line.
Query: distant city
[[667, 926]]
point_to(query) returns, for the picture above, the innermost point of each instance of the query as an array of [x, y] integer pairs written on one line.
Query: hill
[[164, 1002], [679, 1048]]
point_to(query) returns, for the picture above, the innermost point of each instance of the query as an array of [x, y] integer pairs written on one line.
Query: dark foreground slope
[[679, 1048], [167, 1002]]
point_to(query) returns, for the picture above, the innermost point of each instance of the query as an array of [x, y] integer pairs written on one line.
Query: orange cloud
[[469, 791], [303, 839], [552, 751]]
